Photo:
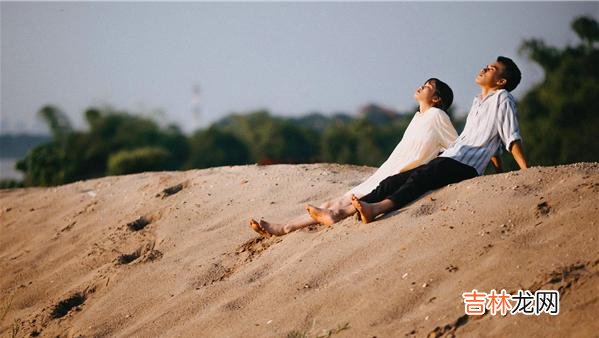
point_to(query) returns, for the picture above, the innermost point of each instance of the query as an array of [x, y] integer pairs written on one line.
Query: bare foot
[[322, 216], [266, 229], [364, 209]]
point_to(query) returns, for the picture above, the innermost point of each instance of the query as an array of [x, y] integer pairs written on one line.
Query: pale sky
[[290, 58]]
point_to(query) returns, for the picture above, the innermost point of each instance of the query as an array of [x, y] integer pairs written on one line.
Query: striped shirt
[[491, 122]]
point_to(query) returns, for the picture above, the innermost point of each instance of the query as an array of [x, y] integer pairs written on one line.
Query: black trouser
[[405, 187]]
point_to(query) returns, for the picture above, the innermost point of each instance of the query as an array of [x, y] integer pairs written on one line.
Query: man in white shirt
[[492, 121]]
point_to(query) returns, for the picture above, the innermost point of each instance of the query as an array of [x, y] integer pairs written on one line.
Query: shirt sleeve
[[507, 122], [499, 151], [446, 133]]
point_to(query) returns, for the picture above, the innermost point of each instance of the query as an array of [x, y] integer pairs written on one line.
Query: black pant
[[405, 187]]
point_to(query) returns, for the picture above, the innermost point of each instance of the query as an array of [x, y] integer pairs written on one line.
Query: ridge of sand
[[118, 256]]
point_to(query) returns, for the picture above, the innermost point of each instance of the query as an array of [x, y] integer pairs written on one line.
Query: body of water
[[7, 169]]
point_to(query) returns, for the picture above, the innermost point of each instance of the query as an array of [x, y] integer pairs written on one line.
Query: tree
[[559, 116], [76, 155], [214, 147], [58, 122], [362, 142], [272, 139], [43, 166]]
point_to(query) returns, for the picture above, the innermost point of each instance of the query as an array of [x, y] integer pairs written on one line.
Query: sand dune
[[120, 256]]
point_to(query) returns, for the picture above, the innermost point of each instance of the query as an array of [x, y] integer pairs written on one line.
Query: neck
[[484, 91], [424, 106]]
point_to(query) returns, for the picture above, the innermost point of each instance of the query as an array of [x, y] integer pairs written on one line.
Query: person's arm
[[446, 133], [509, 129], [518, 153], [496, 162]]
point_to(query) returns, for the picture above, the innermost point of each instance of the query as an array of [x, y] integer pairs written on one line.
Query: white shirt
[[427, 135], [491, 121]]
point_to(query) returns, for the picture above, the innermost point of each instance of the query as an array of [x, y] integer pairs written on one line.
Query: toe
[[258, 228]]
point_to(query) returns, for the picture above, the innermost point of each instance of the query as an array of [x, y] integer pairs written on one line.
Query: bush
[[10, 184], [138, 160], [43, 166], [214, 147]]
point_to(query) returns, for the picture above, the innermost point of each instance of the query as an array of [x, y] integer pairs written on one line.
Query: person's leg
[[387, 186], [346, 208], [332, 213], [278, 229], [369, 211], [438, 173]]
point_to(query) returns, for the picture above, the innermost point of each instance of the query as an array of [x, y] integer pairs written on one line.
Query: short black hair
[[510, 73], [444, 92]]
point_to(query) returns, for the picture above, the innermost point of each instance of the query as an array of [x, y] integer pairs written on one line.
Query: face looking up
[[427, 93], [490, 76]]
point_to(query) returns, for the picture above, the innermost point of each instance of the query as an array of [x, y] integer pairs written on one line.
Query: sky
[[192, 63]]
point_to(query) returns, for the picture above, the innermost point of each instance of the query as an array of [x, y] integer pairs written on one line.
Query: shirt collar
[[481, 100], [431, 108]]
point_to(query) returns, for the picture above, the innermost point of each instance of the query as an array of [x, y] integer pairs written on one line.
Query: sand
[[118, 256]]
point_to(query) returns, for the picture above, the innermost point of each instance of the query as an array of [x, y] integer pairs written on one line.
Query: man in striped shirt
[[491, 123]]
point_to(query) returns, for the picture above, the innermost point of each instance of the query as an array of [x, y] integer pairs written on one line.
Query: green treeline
[[558, 117], [120, 143]]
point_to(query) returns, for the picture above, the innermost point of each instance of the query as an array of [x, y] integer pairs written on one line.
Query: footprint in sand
[[226, 267], [128, 258], [143, 254], [255, 246], [143, 221], [63, 307], [542, 209], [139, 223], [171, 190], [451, 268]]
